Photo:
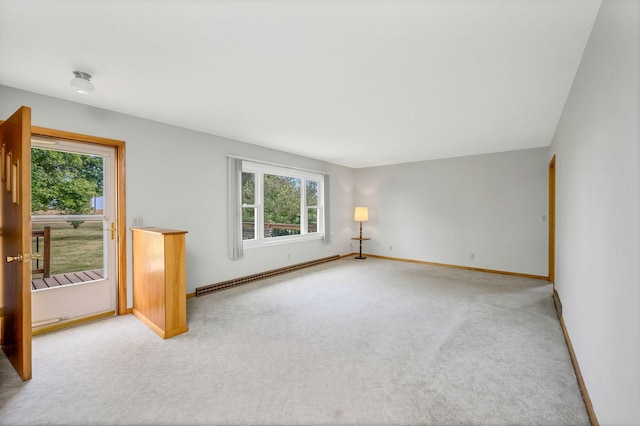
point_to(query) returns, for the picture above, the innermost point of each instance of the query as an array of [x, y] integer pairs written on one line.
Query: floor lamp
[[361, 215]]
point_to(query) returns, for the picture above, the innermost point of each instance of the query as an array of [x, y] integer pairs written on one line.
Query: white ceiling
[[354, 82]]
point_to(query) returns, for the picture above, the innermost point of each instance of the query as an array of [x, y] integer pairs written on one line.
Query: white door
[[74, 272]]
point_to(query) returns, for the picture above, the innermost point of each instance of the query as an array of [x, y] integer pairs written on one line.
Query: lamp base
[[360, 257]]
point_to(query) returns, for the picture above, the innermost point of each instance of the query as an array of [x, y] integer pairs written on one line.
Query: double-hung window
[[280, 204]]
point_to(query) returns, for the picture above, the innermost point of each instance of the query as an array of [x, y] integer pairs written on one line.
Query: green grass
[[72, 249]]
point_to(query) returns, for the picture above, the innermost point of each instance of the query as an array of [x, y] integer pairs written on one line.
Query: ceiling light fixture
[[81, 82]]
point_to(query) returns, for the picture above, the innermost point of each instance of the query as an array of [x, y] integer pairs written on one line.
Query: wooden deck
[[68, 278]]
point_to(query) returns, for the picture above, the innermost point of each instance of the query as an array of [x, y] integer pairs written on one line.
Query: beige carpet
[[350, 342]]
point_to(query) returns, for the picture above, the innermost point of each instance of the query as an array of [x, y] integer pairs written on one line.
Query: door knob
[[14, 258]]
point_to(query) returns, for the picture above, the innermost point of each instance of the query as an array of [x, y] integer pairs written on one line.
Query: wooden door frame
[[552, 221], [119, 146]]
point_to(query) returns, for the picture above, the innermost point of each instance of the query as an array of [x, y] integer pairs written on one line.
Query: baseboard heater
[[211, 288]]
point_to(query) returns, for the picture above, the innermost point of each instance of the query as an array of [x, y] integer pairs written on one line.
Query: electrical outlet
[[473, 256], [137, 221], [390, 248]]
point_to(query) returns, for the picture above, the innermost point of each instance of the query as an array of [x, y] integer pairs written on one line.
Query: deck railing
[[272, 229], [42, 257]]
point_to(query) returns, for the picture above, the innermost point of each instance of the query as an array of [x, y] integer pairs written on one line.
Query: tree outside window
[[65, 183]]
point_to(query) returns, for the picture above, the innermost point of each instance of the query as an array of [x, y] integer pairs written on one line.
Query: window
[[280, 204]]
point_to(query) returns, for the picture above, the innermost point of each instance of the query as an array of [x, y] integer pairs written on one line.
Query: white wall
[[176, 178], [598, 213], [445, 210]]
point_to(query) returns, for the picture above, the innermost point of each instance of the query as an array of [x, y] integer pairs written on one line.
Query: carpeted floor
[[372, 342]]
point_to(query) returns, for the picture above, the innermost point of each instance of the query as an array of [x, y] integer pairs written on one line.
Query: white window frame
[[260, 169]]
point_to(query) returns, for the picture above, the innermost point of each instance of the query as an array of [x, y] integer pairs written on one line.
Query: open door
[[15, 232]]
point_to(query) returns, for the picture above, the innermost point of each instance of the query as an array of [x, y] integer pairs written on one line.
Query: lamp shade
[[361, 214]]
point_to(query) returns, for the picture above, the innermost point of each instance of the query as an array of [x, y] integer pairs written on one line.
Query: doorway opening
[[78, 237], [73, 209]]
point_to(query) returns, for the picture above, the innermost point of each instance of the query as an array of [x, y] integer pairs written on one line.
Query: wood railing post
[[47, 252]]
